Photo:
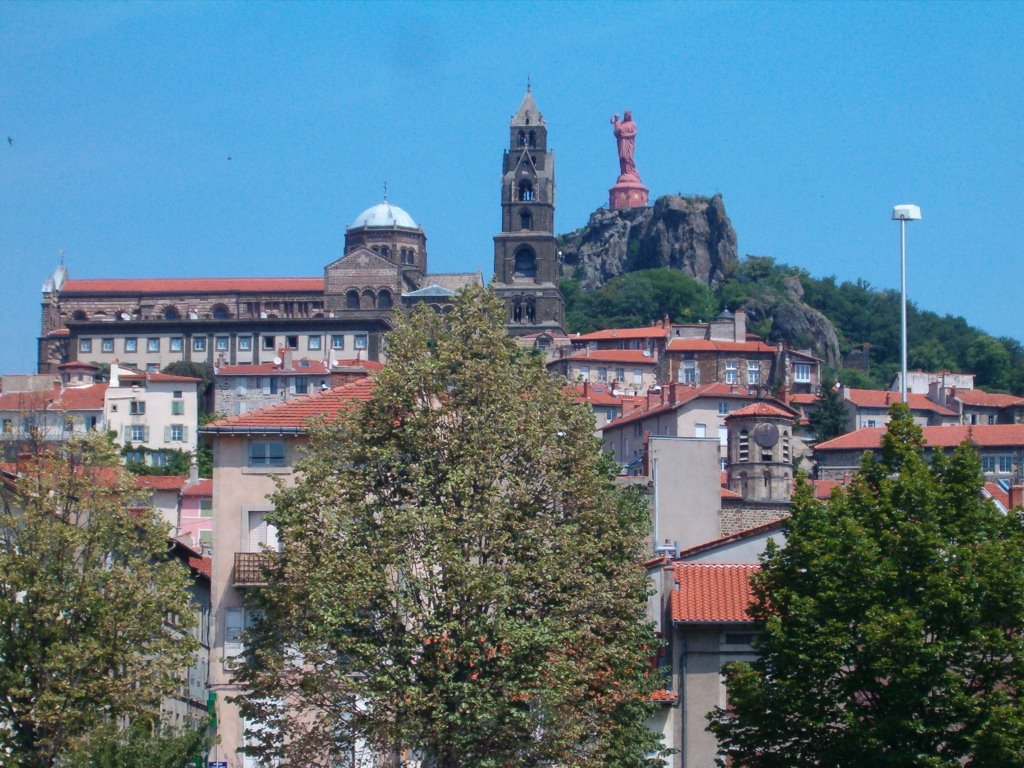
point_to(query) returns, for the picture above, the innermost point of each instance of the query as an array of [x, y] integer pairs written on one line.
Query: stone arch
[[526, 190], [525, 262], [79, 315], [517, 309], [384, 299], [171, 313], [368, 299], [220, 312], [385, 252], [530, 310], [351, 299]]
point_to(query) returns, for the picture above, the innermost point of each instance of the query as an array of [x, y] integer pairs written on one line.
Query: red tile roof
[[156, 378], [762, 409], [195, 285], [632, 356], [201, 563], [998, 494], [991, 399], [883, 398], [161, 482], [88, 398], [804, 398], [293, 415], [712, 592], [618, 334], [685, 393], [599, 394], [711, 345], [949, 436], [204, 488]]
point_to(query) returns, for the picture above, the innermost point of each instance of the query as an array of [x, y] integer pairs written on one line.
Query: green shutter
[[127, 433], [145, 434], [167, 434], [184, 434]]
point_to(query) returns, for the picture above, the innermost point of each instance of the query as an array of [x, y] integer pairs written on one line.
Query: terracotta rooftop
[[684, 393], [599, 394], [997, 494], [712, 593], [156, 378], [883, 398], [195, 285], [804, 398], [88, 398], [619, 334], [203, 489], [161, 482], [732, 538], [292, 415], [711, 345], [991, 399], [949, 436], [762, 409]]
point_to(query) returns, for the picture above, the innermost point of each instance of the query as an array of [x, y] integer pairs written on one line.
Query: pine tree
[[460, 580], [892, 624], [85, 586]]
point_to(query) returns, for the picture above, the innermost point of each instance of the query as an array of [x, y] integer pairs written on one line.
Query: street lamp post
[[903, 214]]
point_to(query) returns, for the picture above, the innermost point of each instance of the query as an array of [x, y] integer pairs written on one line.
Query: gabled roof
[[991, 399], [630, 356], [710, 345], [202, 489], [997, 494], [804, 398], [949, 436], [195, 285], [883, 398], [621, 334], [292, 416], [748, 533], [763, 409], [685, 394], [599, 394], [454, 280], [160, 482], [89, 398], [712, 593], [430, 292]]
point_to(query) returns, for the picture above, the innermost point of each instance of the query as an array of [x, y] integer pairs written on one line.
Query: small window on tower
[[525, 220], [533, 139], [526, 190]]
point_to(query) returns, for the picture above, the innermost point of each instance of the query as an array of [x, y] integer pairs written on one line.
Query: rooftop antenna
[[385, 190]]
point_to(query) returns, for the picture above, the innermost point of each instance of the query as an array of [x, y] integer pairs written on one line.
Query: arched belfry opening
[[526, 262]]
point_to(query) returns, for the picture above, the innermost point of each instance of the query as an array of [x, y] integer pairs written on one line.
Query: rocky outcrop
[[691, 234], [798, 324]]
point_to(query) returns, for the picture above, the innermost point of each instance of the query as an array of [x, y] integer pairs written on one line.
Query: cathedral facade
[[343, 314]]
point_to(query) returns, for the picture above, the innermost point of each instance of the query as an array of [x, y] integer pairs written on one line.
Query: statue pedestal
[[627, 193]]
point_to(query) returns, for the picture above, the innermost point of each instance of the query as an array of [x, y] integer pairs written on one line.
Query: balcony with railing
[[250, 568]]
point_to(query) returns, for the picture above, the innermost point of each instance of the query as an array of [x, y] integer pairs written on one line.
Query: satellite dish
[[335, 363], [278, 361], [125, 316], [766, 435]]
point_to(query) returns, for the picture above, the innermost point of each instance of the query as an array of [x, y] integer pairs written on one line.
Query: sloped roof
[[685, 393], [195, 285], [732, 538], [156, 378], [712, 593], [991, 399], [599, 394], [711, 345], [762, 409], [89, 398], [430, 292], [949, 436], [623, 334], [997, 494], [160, 482], [804, 398], [293, 415], [202, 489], [883, 398], [453, 281]]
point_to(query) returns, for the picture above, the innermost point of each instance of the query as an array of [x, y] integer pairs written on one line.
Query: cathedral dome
[[384, 215]]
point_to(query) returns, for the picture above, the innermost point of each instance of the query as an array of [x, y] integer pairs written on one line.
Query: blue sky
[[812, 120]]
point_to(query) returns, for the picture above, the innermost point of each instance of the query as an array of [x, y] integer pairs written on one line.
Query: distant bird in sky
[[10, 141]]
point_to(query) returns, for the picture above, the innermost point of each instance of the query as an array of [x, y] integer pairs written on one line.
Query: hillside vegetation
[[866, 320]]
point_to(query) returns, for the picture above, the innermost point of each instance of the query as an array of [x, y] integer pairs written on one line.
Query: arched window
[[171, 313], [79, 315], [220, 312], [767, 479], [744, 446], [385, 252], [526, 190], [522, 138], [531, 310], [517, 311], [525, 220], [368, 300], [785, 446], [384, 300], [533, 139], [352, 299], [526, 262]]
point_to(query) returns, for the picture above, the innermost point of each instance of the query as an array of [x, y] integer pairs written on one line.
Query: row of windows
[[139, 433], [620, 374], [767, 451], [130, 344], [1004, 463]]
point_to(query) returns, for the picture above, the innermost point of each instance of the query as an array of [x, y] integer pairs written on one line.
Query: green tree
[[202, 371], [85, 585], [891, 624], [142, 744], [459, 576], [829, 417]]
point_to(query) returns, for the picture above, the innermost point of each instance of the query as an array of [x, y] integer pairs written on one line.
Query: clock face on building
[[766, 435]]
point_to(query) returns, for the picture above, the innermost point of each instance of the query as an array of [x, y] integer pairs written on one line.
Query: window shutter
[[234, 620], [127, 434], [167, 434], [145, 434], [257, 531], [184, 434]]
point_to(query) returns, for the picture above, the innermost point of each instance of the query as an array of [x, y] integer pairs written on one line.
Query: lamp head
[[906, 213]]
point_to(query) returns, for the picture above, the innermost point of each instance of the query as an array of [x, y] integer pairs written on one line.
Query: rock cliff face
[[691, 234], [797, 323]]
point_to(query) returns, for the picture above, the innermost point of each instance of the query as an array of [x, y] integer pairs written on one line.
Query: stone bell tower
[[525, 256], [760, 444]]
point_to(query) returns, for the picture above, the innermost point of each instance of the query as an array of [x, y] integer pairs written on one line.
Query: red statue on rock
[[629, 191]]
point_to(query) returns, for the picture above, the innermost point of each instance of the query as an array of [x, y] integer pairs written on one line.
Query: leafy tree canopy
[[891, 624], [85, 586], [459, 575], [829, 417]]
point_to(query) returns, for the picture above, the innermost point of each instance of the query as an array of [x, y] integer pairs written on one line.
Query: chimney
[[739, 321], [193, 474], [673, 393], [286, 359], [1016, 496], [114, 375], [280, 356], [586, 390]]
